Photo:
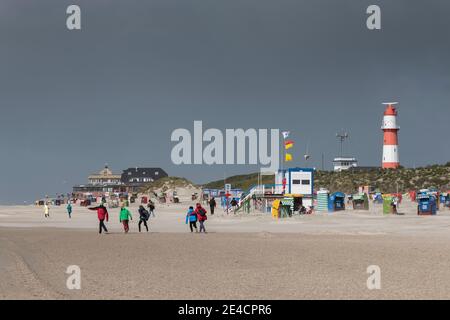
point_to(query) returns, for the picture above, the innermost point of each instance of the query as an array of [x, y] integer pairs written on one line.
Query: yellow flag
[[288, 157]]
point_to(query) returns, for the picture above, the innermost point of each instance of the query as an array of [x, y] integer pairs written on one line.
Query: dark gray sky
[[114, 91]]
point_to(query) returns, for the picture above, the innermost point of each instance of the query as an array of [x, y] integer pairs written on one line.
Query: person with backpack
[[191, 218], [151, 208], [102, 214], [125, 217], [69, 210], [143, 217], [201, 216], [212, 205]]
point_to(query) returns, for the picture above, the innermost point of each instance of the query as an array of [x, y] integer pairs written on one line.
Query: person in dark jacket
[[143, 217], [212, 205], [201, 216], [191, 218], [102, 214], [151, 208], [234, 205]]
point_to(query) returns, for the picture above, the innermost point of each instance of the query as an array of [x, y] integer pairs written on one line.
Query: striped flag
[[288, 144], [285, 134]]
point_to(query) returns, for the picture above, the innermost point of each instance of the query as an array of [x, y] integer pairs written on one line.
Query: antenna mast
[[342, 136]]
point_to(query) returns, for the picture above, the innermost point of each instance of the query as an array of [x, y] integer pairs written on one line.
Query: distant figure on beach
[[102, 214], [201, 216], [46, 210], [69, 210], [394, 205], [124, 217], [151, 208], [302, 209], [191, 218], [144, 215], [212, 205], [234, 205]]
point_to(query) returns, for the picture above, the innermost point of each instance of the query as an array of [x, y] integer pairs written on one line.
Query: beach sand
[[242, 257]]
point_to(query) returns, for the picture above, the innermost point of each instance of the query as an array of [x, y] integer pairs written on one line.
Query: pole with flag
[[288, 144]]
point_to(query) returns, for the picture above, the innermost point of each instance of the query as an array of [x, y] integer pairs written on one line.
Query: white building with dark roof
[[142, 175], [105, 181]]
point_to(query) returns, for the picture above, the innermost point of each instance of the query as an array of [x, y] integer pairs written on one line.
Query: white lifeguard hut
[[299, 181]]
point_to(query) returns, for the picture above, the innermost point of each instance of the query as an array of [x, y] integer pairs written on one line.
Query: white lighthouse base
[[390, 156]]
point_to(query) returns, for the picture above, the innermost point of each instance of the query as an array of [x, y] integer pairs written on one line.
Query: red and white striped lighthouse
[[390, 133]]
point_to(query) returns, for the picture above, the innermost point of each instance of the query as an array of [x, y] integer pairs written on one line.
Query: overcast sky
[[113, 92]]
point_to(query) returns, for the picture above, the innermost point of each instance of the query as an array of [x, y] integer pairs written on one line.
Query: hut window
[[295, 181], [306, 182]]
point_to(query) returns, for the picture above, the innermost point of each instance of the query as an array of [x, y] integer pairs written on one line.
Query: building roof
[[105, 173], [347, 159], [296, 169], [134, 173]]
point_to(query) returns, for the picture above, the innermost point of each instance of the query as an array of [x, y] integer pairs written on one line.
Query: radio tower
[[342, 136], [390, 133]]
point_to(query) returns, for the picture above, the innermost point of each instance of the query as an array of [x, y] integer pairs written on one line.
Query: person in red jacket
[[102, 214], [201, 215]]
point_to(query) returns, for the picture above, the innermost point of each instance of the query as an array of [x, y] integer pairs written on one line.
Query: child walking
[[191, 218], [143, 217], [124, 217], [201, 216]]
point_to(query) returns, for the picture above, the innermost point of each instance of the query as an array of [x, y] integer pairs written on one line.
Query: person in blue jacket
[[191, 218]]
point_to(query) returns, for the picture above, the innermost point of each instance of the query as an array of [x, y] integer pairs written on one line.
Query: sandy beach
[[252, 256]]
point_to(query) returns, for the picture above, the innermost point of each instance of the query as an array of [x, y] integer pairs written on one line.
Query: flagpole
[[287, 144], [282, 163]]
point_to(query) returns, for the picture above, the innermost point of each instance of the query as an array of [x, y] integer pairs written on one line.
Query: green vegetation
[[243, 181], [385, 180]]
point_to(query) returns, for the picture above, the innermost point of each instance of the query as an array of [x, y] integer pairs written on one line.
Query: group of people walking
[[124, 216], [199, 214], [194, 215]]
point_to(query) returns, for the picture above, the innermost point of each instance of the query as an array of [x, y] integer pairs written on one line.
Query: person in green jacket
[[124, 217]]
